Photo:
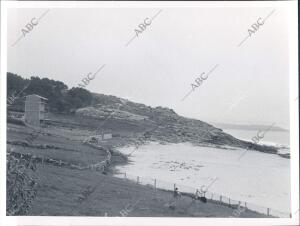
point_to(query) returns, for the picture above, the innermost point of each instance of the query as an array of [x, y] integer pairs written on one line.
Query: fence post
[[246, 204], [229, 201], [268, 211], [221, 198], [125, 175], [155, 183], [212, 196], [174, 186]]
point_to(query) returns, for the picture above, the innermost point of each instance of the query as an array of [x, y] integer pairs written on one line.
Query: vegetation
[[21, 187], [60, 98], [124, 115]]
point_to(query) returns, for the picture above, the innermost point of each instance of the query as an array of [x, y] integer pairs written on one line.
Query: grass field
[[66, 192], [62, 191]]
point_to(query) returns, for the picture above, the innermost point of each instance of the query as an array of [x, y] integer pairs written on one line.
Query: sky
[[249, 85]]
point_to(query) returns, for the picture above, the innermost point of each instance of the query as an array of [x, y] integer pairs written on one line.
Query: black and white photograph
[[149, 113]]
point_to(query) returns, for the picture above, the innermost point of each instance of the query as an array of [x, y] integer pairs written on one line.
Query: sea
[[257, 178]]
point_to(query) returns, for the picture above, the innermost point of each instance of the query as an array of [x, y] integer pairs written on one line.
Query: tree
[[60, 99]]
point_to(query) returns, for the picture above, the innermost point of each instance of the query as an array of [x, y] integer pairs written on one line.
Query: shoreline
[[47, 174], [147, 176]]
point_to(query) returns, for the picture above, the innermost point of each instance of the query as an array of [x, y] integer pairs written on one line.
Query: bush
[[20, 187], [60, 98]]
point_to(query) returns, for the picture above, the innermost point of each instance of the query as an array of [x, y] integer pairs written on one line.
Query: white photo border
[[294, 118]]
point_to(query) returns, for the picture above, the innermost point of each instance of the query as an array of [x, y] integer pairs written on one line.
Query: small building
[[35, 109], [103, 136], [107, 136], [100, 137]]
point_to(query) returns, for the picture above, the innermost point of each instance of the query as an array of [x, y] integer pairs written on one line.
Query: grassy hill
[[65, 185], [153, 124], [160, 124]]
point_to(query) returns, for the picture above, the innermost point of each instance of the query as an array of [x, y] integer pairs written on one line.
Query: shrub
[[20, 186]]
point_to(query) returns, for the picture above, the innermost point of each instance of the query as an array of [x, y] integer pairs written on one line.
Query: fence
[[156, 184], [100, 166], [57, 162], [214, 197]]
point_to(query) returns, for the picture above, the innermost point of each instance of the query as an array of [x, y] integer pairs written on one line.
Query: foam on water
[[259, 178]]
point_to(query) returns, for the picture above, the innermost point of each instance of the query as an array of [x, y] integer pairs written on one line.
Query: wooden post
[[268, 211], [246, 204], [174, 186], [125, 175], [221, 198], [155, 183], [229, 201]]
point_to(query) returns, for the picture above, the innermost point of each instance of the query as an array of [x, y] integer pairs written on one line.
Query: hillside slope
[[161, 124], [133, 119]]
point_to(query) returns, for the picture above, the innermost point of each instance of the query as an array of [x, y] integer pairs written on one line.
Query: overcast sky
[[250, 85]]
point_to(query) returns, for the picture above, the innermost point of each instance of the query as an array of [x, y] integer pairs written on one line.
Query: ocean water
[[258, 178], [276, 138]]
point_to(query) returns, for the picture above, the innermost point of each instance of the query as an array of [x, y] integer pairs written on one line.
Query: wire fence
[[214, 197], [158, 184], [154, 183]]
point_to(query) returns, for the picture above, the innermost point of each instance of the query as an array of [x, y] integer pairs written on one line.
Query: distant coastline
[[248, 127]]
